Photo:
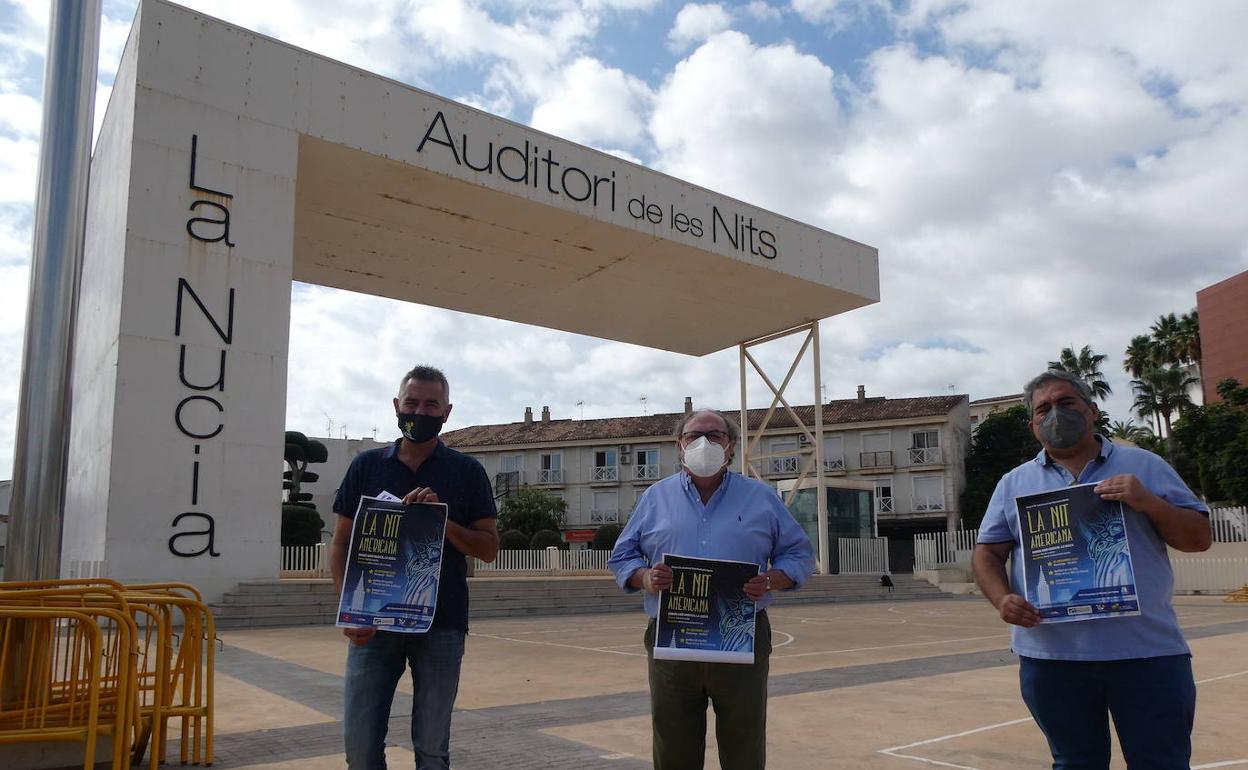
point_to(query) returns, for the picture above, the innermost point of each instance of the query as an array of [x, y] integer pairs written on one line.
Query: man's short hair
[[733, 430], [426, 374], [1081, 387]]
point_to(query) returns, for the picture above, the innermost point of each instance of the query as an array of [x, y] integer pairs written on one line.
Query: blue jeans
[[373, 671], [1152, 701]]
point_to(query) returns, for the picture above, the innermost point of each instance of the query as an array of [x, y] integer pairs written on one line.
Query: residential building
[[1223, 311], [981, 408], [910, 450]]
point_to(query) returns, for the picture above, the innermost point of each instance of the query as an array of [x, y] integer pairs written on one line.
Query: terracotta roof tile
[[835, 413]]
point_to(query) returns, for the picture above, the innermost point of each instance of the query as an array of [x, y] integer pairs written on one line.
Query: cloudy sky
[[1035, 175]]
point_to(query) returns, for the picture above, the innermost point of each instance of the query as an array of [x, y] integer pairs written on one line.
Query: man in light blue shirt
[[1136, 668], [709, 512]]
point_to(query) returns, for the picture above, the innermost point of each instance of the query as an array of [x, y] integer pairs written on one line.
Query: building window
[[606, 508], [883, 496], [606, 465], [925, 447], [551, 471], [783, 463], [834, 453], [647, 466], [929, 493], [510, 474], [876, 450]]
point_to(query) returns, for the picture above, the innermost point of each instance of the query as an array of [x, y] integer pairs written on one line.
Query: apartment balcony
[[550, 476], [646, 472], [929, 503], [605, 474], [783, 466], [610, 516], [834, 464], [883, 505], [873, 462], [925, 455]]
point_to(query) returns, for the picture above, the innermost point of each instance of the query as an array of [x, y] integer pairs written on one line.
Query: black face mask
[[419, 427]]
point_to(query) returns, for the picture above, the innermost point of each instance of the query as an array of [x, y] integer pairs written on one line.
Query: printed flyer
[[393, 566], [1075, 556], [705, 615]]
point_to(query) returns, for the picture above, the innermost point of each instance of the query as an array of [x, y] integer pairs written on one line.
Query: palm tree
[[1166, 332], [1140, 356], [1162, 391], [1086, 366], [1128, 430], [1188, 337]]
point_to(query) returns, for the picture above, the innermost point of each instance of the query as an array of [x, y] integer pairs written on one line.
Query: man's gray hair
[[731, 425], [426, 374], [1081, 387]]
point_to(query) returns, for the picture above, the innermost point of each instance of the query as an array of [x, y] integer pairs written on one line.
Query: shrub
[[605, 537], [301, 525], [513, 540], [545, 538]]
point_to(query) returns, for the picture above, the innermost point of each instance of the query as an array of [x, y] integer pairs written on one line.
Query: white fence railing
[[932, 548], [1230, 525], [862, 555], [305, 561], [548, 561], [1209, 575]]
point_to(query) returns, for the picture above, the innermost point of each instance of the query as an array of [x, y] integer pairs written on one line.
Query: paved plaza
[[873, 685]]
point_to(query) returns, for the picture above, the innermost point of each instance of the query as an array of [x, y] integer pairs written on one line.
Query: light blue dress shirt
[[1155, 631], [745, 520]]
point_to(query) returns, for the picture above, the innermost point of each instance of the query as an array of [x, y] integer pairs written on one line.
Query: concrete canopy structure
[[230, 164]]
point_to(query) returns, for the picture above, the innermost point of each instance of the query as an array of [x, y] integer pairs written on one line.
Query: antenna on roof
[[643, 404], [581, 404]]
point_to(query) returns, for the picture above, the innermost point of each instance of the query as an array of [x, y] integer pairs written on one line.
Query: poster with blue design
[[1075, 556], [393, 566], [706, 615]]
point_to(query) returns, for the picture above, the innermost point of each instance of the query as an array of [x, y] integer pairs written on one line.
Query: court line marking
[[557, 644], [785, 642], [892, 751], [895, 646]]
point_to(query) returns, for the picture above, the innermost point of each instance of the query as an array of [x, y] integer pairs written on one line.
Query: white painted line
[[1227, 763], [925, 760], [556, 644], [1219, 678], [785, 642], [893, 751], [895, 646]]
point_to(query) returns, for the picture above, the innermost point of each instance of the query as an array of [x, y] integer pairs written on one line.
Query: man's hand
[[1127, 489], [657, 578], [1017, 611], [359, 636], [421, 495], [757, 586]]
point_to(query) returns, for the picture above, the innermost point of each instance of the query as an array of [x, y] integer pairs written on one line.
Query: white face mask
[[704, 458]]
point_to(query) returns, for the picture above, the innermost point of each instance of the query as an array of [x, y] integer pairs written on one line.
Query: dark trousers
[[1152, 701], [679, 692]]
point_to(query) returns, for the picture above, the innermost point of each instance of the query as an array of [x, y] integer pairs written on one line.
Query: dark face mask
[[1063, 428], [419, 427]]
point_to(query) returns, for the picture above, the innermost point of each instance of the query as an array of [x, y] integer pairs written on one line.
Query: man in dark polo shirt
[[418, 468]]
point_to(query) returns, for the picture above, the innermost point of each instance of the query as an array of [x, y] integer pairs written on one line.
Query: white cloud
[[697, 22], [595, 105], [758, 123], [763, 11]]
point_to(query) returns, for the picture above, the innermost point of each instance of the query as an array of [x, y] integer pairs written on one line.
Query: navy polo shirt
[[458, 480]]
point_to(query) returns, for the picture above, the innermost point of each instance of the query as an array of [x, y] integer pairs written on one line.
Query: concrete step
[[312, 602]]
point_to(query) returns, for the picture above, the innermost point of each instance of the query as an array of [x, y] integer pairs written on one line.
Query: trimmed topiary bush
[[605, 537], [545, 538], [513, 540], [301, 525]]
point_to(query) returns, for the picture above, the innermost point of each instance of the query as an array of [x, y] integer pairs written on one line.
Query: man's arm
[[1183, 529], [479, 540], [989, 562]]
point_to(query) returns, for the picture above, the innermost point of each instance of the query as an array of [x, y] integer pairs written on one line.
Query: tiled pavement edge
[[511, 736]]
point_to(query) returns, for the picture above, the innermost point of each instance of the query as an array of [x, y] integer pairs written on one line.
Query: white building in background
[[912, 451], [981, 408]]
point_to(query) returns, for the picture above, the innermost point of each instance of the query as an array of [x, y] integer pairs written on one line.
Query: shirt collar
[[392, 451], [686, 480], [1106, 449]]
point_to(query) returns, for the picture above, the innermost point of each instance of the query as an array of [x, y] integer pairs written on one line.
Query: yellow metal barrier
[[67, 674], [160, 684]]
